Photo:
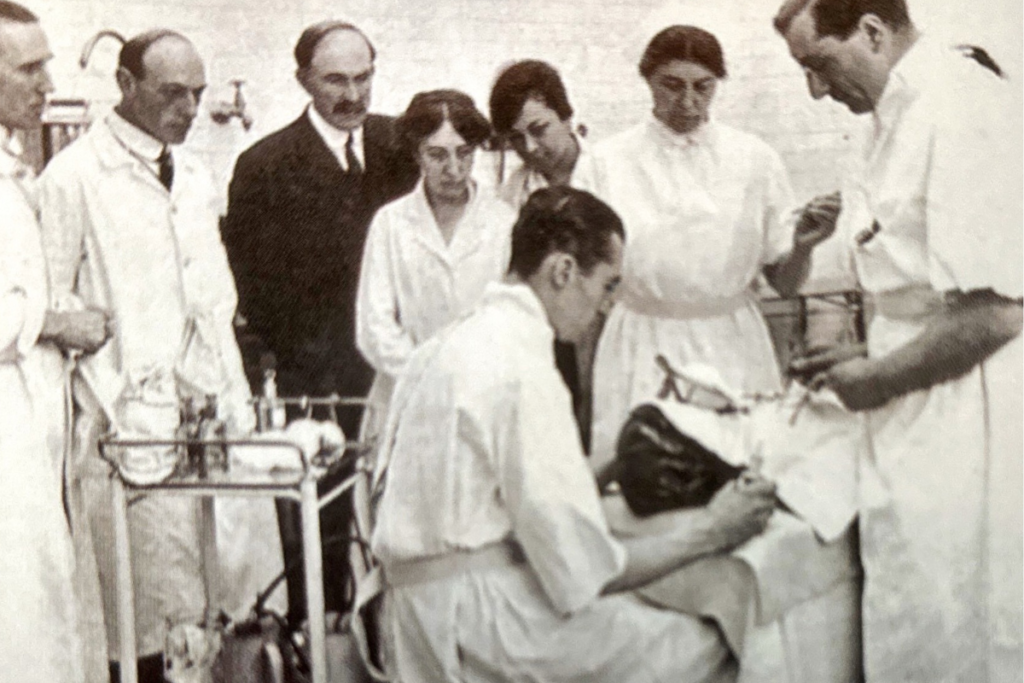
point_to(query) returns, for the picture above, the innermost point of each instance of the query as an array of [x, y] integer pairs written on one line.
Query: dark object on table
[[659, 468]]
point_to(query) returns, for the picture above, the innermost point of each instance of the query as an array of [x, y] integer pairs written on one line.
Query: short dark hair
[[563, 219], [13, 12], [305, 48], [428, 111], [687, 44], [133, 52], [838, 18], [528, 79]]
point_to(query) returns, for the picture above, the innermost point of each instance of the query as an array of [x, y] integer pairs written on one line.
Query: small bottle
[[275, 412], [188, 432], [212, 429]]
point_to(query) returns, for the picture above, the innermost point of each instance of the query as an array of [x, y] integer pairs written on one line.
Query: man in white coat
[[130, 225], [498, 558], [940, 518], [39, 641]]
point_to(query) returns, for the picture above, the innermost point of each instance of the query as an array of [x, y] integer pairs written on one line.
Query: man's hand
[[741, 509], [855, 382], [85, 331], [818, 221], [807, 367]]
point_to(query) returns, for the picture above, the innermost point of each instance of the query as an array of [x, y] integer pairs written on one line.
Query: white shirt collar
[[526, 300], [336, 139], [906, 80], [139, 142], [702, 137], [11, 163]]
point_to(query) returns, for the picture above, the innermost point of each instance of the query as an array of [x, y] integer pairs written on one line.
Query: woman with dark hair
[[530, 110], [430, 253], [707, 210]]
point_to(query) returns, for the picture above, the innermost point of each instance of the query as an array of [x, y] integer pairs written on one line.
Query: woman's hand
[[818, 221], [741, 510]]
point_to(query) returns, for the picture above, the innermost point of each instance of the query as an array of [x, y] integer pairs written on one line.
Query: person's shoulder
[[493, 201], [380, 130], [742, 140], [279, 143], [619, 144], [78, 157], [402, 206], [482, 355], [379, 123]]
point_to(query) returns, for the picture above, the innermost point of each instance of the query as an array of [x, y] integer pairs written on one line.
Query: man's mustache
[[349, 108]]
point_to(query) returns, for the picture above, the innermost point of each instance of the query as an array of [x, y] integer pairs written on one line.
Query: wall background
[[463, 43]]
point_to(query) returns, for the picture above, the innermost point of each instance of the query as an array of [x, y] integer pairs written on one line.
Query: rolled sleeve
[[780, 214]]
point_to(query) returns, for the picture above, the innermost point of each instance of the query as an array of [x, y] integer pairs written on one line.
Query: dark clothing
[[294, 234]]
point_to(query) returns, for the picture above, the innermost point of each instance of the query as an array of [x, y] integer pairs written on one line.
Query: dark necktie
[[351, 160], [166, 165]]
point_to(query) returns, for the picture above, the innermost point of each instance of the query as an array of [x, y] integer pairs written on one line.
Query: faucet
[[91, 43], [223, 112]]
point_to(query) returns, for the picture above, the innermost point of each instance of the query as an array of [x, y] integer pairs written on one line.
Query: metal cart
[[299, 485]]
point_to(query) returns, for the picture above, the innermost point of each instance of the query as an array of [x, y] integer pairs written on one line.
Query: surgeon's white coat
[[481, 446], [941, 497]]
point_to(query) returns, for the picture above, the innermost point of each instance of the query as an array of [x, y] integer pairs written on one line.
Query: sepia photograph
[[533, 341]]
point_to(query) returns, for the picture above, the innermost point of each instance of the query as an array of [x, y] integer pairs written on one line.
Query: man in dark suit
[[300, 203]]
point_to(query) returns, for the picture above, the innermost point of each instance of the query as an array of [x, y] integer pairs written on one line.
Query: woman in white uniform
[[430, 253], [707, 208]]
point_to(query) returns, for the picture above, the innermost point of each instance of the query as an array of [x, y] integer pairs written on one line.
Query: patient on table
[[787, 601]]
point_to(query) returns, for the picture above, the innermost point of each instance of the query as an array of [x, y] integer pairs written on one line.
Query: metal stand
[[299, 485]]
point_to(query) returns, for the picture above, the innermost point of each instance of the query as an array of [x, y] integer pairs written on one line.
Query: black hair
[[428, 111], [12, 11], [133, 52], [563, 219], [305, 48], [522, 81], [839, 18], [684, 43]]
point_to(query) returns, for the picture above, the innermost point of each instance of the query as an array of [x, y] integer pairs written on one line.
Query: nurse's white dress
[[703, 213], [38, 639]]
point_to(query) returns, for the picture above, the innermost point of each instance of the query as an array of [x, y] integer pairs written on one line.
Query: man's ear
[[300, 76], [875, 31], [561, 267], [126, 81]]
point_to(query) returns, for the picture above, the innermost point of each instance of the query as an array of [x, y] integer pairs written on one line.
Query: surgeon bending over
[[497, 555]]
